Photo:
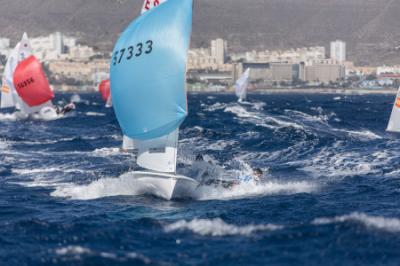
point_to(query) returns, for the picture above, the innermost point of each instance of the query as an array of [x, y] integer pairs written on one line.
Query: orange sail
[[31, 83], [104, 89]]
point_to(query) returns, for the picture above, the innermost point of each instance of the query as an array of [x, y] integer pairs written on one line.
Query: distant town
[[72, 66]]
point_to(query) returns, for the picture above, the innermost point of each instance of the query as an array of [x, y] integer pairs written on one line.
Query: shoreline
[[307, 91], [281, 91]]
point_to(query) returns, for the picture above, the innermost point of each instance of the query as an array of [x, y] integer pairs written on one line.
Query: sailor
[[255, 177], [67, 108]]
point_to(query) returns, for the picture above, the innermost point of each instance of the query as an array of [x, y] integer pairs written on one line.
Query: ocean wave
[[217, 227], [250, 189], [331, 162], [124, 185], [94, 114], [75, 252], [72, 250], [362, 134], [260, 119], [376, 222], [8, 117], [216, 106], [46, 170], [107, 151]]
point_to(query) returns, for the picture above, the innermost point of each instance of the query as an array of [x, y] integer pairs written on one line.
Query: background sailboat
[[104, 89], [25, 85], [148, 81], [394, 121], [241, 86]]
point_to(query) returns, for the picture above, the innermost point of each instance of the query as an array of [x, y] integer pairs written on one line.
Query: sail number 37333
[[132, 51]]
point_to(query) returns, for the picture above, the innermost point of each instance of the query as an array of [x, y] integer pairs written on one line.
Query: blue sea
[[330, 196]]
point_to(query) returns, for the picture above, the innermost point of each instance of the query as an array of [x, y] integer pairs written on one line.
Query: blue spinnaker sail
[[148, 71]]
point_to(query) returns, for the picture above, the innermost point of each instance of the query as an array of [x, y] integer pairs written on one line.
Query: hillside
[[369, 26]]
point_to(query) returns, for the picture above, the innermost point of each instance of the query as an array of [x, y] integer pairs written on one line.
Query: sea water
[[330, 196]]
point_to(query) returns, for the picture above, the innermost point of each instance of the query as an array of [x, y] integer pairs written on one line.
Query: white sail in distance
[[394, 121], [241, 85], [9, 96]]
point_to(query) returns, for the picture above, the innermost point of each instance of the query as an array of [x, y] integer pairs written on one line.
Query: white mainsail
[[128, 144], [394, 121], [9, 96], [241, 85], [159, 154]]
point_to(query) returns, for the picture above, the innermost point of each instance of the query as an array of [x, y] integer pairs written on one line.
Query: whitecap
[[376, 222], [94, 114], [125, 185], [107, 151], [72, 250], [217, 227], [251, 189], [8, 117]]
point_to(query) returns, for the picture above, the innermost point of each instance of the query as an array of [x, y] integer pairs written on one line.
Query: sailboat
[[128, 144], [148, 81], [25, 85], [241, 86], [104, 89], [394, 121]]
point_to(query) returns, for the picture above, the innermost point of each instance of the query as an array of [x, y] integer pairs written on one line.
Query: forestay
[[394, 122]]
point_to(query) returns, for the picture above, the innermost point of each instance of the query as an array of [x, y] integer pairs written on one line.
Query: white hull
[[166, 186]]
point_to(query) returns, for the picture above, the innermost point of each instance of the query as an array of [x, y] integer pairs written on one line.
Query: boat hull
[[166, 186]]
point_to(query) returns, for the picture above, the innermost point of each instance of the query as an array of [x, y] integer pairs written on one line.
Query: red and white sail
[[31, 83], [105, 91], [22, 77], [149, 4]]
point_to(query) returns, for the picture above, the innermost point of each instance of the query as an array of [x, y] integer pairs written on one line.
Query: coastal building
[[4, 43], [293, 56], [324, 72], [85, 71], [284, 72], [338, 51], [209, 59], [4, 46], [81, 52], [388, 70], [268, 72], [57, 46], [218, 50]]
